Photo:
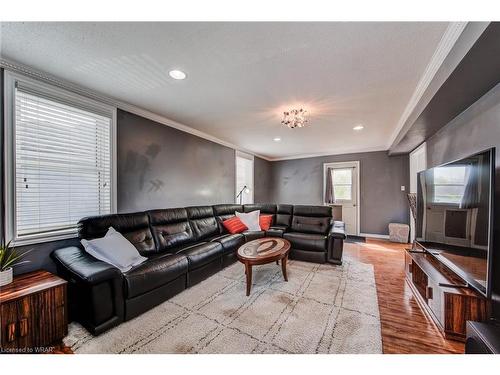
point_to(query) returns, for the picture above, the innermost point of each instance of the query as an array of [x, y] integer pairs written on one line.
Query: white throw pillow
[[114, 249], [251, 219]]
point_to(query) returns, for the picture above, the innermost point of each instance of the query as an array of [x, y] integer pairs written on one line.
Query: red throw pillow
[[265, 221], [234, 225]]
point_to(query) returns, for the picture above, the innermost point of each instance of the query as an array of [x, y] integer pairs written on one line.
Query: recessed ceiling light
[[277, 139], [358, 127], [177, 74]]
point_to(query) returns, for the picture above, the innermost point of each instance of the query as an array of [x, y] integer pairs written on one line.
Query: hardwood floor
[[61, 349], [405, 328]]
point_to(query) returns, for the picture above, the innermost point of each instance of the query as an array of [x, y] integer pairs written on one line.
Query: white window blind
[[62, 164]]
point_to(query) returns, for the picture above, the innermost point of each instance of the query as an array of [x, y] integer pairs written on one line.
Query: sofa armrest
[[95, 289], [336, 237], [84, 267], [337, 230]]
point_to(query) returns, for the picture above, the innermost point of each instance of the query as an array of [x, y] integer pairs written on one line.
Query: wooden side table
[[33, 313]]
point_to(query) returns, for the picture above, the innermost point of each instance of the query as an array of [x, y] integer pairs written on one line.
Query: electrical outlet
[[403, 188]]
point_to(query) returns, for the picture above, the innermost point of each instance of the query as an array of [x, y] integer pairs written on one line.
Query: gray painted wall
[[474, 130], [263, 180], [160, 167], [300, 181]]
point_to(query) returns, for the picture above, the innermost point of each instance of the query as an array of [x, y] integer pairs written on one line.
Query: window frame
[[69, 98], [244, 155]]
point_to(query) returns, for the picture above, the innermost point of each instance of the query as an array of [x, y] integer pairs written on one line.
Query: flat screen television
[[455, 216]]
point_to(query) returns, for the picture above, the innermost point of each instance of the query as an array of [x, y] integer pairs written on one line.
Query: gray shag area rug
[[321, 309]]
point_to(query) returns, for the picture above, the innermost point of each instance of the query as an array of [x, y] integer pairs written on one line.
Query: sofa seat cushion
[[279, 227], [201, 253], [251, 235], [307, 241], [153, 273], [229, 242], [273, 232]]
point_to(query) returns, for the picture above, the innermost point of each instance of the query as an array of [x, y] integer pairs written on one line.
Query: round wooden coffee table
[[262, 251]]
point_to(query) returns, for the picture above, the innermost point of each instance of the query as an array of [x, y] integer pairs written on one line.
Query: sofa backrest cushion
[[284, 215], [134, 227], [311, 219], [225, 211], [170, 228], [264, 208], [202, 221]]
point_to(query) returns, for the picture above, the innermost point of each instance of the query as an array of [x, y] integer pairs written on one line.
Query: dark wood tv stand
[[442, 294]]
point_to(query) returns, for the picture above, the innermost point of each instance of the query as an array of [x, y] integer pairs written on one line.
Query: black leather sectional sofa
[[183, 247]]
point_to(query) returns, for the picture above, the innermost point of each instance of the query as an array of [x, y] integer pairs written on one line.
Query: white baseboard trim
[[372, 235]]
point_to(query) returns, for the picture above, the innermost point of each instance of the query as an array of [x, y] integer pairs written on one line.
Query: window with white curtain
[[61, 160], [244, 178]]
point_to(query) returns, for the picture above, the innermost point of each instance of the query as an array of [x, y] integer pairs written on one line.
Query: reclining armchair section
[[184, 246]]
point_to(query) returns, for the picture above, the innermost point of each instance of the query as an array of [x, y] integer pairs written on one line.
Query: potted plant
[[9, 257]]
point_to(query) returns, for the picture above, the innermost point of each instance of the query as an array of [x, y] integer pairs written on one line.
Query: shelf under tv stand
[[443, 295]]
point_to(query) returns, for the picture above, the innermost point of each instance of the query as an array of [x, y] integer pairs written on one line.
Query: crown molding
[[448, 40], [330, 153], [80, 90]]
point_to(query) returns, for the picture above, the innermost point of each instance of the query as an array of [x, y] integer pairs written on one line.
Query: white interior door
[[418, 163], [345, 179]]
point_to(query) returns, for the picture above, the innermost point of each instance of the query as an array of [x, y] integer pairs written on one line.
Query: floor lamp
[[240, 194]]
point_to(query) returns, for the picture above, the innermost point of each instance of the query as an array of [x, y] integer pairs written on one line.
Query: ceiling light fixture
[[295, 118], [358, 127], [277, 139], [177, 74]]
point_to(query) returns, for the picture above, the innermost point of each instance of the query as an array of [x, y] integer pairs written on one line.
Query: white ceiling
[[242, 75]]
